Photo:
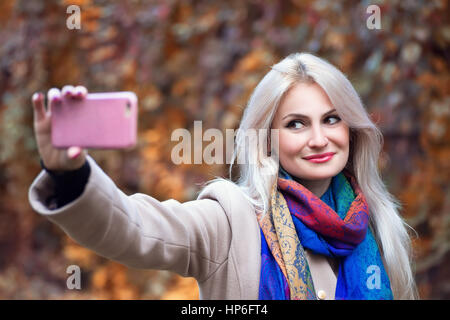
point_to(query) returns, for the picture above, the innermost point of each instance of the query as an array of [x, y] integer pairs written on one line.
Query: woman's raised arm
[[190, 238]]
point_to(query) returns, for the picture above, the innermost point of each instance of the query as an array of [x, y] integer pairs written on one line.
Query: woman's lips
[[326, 157]]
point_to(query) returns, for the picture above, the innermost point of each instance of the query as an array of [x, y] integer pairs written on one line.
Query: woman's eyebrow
[[305, 116]]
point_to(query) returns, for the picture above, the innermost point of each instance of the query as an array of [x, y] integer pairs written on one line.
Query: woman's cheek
[[344, 134], [290, 145]]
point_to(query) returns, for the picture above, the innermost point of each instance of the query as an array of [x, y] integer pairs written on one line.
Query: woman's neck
[[317, 187]]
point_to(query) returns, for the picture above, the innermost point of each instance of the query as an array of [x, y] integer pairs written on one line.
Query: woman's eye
[[336, 119], [296, 124]]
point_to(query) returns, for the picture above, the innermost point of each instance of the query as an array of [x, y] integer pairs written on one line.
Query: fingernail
[[80, 92], [73, 152], [56, 99], [38, 96]]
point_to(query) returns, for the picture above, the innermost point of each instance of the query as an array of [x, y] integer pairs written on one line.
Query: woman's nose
[[318, 138]]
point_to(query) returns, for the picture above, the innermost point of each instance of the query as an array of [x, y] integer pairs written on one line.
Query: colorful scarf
[[336, 225]]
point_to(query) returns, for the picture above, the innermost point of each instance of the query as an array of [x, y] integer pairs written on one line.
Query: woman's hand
[[55, 158]]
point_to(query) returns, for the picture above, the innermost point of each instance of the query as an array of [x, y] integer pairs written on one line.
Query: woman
[[300, 225]]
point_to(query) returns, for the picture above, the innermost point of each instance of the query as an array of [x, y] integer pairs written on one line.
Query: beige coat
[[215, 239]]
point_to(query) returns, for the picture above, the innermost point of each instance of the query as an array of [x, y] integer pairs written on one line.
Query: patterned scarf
[[336, 225]]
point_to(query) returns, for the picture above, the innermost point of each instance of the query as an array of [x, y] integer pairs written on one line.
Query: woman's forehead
[[305, 99]]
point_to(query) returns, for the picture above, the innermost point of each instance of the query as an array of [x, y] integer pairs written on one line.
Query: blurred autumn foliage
[[199, 60]]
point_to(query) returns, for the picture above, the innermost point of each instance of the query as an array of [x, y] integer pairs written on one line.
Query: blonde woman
[[313, 222]]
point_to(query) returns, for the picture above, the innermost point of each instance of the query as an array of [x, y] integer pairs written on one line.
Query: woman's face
[[309, 125]]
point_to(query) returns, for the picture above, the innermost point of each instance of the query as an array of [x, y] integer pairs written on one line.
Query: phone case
[[101, 121]]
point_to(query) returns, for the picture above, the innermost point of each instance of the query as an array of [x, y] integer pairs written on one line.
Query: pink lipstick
[[319, 158]]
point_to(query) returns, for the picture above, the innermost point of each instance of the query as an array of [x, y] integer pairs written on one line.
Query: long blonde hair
[[366, 142]]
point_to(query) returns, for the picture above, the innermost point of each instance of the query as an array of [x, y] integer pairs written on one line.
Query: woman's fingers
[[68, 91], [53, 98], [80, 92], [55, 158], [38, 106]]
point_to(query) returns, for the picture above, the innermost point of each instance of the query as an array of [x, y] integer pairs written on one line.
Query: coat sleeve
[[191, 238]]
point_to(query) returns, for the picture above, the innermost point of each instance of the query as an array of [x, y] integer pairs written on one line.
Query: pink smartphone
[[101, 121]]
